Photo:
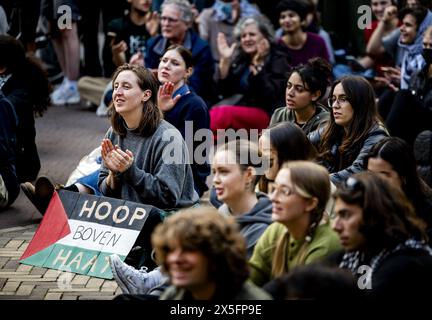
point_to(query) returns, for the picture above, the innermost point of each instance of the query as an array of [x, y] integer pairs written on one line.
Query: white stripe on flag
[[99, 237]]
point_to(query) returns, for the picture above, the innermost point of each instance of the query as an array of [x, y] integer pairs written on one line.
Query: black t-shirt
[[135, 36]]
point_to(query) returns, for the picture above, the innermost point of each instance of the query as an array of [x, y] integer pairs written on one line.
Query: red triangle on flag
[[53, 227]]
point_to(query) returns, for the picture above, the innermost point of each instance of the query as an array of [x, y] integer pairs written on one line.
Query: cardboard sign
[[80, 231]]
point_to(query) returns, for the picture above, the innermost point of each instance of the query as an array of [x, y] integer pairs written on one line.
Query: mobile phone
[[114, 36]]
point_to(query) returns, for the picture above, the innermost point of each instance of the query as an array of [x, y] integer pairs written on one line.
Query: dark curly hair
[[217, 237]]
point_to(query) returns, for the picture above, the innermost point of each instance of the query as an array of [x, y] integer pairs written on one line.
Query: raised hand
[[225, 51], [138, 59], [165, 100], [118, 48], [152, 23], [390, 13]]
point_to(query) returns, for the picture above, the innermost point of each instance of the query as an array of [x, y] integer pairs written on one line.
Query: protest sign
[[80, 231]]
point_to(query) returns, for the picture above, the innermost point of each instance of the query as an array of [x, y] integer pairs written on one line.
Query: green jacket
[[320, 118], [249, 291], [324, 242]]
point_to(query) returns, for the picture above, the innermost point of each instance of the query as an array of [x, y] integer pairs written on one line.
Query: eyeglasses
[[297, 88], [285, 191], [341, 100], [169, 20]]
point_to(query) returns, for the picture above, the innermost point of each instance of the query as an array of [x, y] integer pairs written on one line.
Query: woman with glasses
[[384, 242], [299, 234], [354, 128], [307, 84]]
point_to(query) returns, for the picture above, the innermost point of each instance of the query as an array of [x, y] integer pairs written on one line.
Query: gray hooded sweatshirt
[[253, 223]]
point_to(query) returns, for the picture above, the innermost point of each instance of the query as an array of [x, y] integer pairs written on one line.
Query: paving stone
[[51, 273], [38, 271], [12, 230], [69, 297], [80, 280], [11, 273], [11, 286], [3, 261], [25, 289], [94, 283], [95, 297], [2, 282], [14, 244], [25, 268], [40, 292], [53, 296], [23, 247], [11, 264], [109, 286]]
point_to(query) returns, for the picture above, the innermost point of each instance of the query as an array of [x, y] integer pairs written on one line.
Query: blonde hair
[[309, 180]]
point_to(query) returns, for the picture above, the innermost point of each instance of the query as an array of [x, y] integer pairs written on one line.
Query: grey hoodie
[[253, 223]]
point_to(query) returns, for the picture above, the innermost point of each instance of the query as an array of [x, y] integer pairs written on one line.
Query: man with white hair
[[176, 19]]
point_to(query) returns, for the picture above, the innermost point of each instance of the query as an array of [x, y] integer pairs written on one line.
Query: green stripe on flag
[[73, 259]]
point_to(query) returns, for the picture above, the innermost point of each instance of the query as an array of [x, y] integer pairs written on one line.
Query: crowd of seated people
[[319, 175]]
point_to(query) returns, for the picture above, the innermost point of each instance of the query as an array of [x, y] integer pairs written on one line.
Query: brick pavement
[[23, 282], [64, 136]]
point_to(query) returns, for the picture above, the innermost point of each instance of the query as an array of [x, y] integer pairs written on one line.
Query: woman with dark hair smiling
[[384, 241], [354, 128]]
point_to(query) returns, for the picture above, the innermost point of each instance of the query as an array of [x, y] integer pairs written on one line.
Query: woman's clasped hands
[[115, 159]]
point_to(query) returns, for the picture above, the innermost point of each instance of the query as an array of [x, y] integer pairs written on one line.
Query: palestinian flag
[[80, 231]]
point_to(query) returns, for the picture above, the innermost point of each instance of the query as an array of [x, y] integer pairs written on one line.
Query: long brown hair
[[361, 96], [151, 116], [309, 180], [388, 219]]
